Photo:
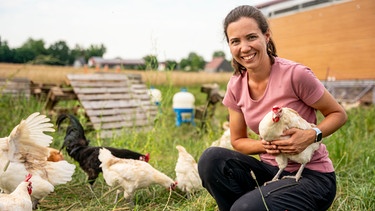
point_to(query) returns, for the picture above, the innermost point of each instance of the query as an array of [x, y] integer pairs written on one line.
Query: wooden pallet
[[15, 86], [351, 91], [114, 101], [56, 94]]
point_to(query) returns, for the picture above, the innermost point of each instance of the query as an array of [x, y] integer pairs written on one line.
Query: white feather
[[270, 130]]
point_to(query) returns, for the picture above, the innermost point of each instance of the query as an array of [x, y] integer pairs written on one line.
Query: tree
[[218, 54], [61, 52], [95, 50], [171, 65], [6, 54], [151, 62], [36, 46], [77, 53], [185, 65], [23, 55], [194, 62], [29, 51]]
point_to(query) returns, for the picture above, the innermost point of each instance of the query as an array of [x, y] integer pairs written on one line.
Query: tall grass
[[57, 75], [351, 150]]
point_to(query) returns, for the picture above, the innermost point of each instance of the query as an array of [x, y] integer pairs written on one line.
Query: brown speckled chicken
[[272, 126]]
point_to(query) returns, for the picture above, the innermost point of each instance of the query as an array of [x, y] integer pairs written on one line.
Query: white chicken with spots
[[26, 151], [187, 176], [272, 126], [19, 199], [131, 174]]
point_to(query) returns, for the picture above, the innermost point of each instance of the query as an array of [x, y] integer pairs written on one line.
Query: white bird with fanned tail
[[26, 151], [272, 126]]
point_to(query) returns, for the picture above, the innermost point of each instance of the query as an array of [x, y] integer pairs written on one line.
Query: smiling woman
[[260, 81]]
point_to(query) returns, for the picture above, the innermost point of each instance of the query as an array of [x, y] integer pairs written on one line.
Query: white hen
[[187, 176], [272, 127], [26, 151], [19, 199], [131, 174]]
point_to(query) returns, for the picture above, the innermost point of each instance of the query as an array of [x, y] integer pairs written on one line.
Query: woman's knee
[[249, 201], [211, 160]]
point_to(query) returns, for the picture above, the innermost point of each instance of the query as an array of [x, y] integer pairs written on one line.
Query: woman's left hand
[[298, 141]]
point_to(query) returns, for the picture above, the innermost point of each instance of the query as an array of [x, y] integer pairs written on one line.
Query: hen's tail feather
[[60, 172], [74, 124], [29, 137]]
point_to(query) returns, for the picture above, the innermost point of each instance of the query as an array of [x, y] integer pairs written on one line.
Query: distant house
[[114, 63], [218, 64]]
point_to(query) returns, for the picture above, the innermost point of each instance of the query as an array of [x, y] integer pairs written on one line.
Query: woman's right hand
[[270, 148]]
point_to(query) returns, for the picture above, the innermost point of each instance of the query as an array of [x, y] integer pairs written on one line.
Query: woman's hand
[[296, 140], [271, 148]]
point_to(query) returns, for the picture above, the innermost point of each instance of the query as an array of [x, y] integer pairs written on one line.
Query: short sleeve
[[229, 97], [307, 86]]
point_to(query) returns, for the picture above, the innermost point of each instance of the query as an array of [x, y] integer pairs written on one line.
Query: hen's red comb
[[28, 177], [275, 108]]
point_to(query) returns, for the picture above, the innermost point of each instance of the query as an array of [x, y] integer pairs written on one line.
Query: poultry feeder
[[155, 95], [183, 106]]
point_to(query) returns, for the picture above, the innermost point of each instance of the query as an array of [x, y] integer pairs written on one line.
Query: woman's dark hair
[[249, 12]]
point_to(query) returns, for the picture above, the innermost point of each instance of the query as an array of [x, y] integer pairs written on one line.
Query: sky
[[129, 29]]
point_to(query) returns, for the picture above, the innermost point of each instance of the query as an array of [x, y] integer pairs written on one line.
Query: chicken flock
[[26, 153], [30, 168]]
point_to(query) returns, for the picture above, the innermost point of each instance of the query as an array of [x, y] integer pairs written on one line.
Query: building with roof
[[335, 38], [115, 63], [218, 64]]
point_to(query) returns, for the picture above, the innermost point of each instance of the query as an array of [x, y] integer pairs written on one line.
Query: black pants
[[226, 175]]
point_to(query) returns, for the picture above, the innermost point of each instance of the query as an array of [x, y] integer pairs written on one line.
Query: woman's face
[[247, 43]]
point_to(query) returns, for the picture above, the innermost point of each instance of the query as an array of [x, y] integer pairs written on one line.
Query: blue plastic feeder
[[183, 106]]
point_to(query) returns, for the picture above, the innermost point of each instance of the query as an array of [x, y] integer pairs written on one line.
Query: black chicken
[[77, 146]]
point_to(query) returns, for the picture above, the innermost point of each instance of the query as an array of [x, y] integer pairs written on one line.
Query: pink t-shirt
[[290, 85]]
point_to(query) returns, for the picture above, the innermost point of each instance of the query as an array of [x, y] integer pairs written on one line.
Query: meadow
[[350, 149]]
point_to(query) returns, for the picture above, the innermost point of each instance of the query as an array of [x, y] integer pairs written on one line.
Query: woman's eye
[[252, 37], [234, 42]]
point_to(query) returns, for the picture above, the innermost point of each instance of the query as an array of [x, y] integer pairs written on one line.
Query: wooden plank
[[57, 94], [123, 130], [119, 118], [115, 111], [114, 101], [15, 86], [112, 125], [98, 76], [101, 90], [105, 96], [97, 83], [110, 104]]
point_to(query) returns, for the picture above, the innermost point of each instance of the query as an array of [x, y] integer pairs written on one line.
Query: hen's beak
[[29, 188], [173, 185], [6, 166]]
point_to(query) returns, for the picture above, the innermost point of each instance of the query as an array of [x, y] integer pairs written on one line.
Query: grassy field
[[57, 75], [350, 150]]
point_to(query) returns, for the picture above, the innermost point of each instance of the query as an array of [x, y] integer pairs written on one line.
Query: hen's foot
[[291, 177], [269, 182]]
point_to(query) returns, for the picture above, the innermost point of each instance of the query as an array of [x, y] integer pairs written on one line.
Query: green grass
[[351, 150]]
